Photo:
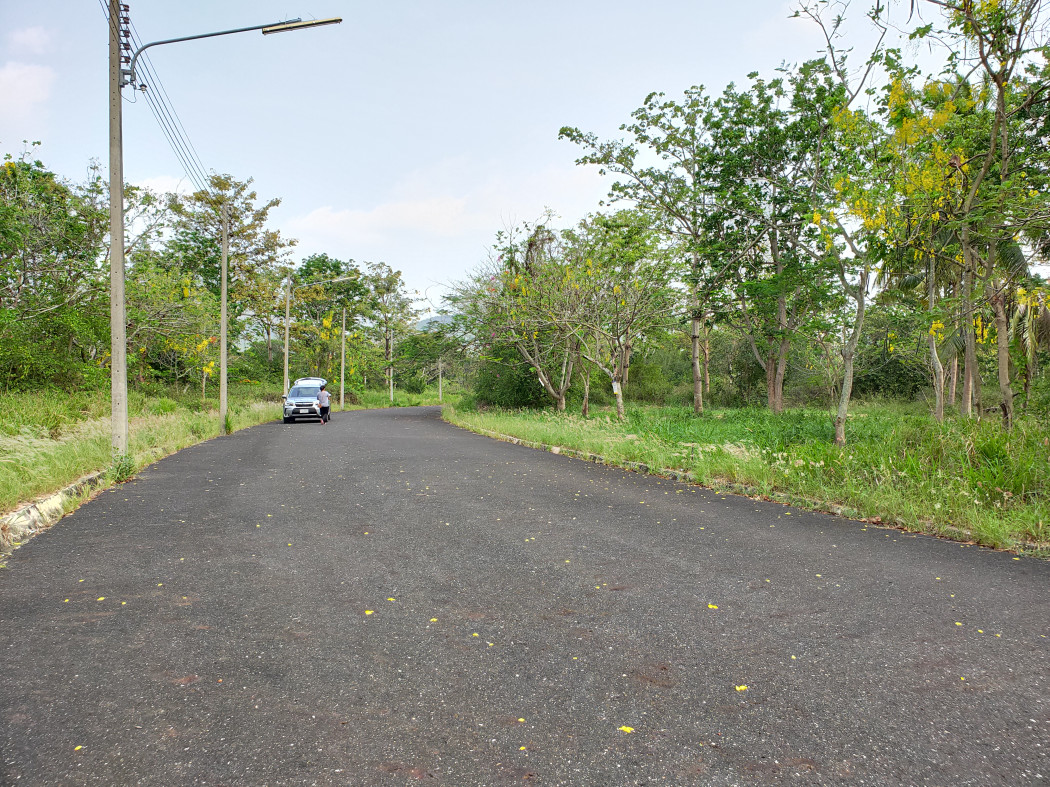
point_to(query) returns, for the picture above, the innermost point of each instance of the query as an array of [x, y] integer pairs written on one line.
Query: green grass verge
[[962, 479], [50, 439]]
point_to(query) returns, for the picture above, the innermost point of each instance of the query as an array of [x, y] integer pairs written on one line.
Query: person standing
[[324, 399]]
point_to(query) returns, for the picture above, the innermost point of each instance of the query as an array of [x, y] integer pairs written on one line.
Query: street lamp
[[287, 310], [119, 56]]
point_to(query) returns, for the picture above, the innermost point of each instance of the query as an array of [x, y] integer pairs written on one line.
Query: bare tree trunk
[[844, 397], [627, 348], [771, 380], [954, 381], [778, 380], [705, 348], [970, 351], [849, 350], [938, 380], [935, 360], [698, 379], [618, 393], [1002, 345], [585, 411]]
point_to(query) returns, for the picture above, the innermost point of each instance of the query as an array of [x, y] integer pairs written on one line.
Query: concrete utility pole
[[118, 360], [287, 309], [342, 363], [119, 44], [222, 318]]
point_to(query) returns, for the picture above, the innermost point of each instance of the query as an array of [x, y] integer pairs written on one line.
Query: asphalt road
[[388, 600]]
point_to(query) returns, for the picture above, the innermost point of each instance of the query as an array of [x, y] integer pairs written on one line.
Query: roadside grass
[[49, 439], [375, 399], [962, 479]]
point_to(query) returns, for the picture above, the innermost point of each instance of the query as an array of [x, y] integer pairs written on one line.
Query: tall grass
[[963, 478], [50, 439]]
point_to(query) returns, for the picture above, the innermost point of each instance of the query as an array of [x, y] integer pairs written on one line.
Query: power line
[[168, 120], [165, 101]]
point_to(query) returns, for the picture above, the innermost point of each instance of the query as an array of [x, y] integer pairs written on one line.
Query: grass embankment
[[49, 439], [963, 479]]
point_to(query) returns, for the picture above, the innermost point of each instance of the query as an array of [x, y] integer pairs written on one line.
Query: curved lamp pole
[[119, 49], [287, 309]]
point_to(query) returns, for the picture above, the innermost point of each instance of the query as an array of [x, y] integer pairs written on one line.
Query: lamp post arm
[[129, 73]]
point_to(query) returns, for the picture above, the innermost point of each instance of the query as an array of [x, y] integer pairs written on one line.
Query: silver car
[[301, 401]]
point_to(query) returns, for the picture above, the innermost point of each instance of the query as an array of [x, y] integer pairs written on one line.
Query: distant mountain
[[430, 323]]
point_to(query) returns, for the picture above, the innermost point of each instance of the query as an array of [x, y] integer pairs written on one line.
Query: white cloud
[[422, 208], [23, 89], [443, 216], [30, 40], [435, 232]]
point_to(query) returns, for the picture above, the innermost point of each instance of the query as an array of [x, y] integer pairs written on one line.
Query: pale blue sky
[[410, 133]]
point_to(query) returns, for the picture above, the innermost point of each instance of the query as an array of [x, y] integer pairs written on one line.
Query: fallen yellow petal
[[77, 748], [626, 729], [521, 748], [957, 623], [433, 620], [741, 688], [712, 606], [474, 634], [101, 598], [521, 720], [391, 599], [368, 612]]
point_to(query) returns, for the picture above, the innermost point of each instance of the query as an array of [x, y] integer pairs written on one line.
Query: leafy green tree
[[768, 140], [391, 311], [622, 280], [522, 298], [666, 171], [53, 302]]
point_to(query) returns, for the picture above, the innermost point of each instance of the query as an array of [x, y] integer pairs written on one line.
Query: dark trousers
[[325, 414]]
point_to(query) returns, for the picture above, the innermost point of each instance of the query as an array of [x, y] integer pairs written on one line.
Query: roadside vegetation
[[963, 478], [48, 441], [826, 283]]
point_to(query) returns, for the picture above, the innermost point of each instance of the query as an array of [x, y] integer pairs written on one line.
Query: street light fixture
[[298, 24], [287, 310], [119, 56]]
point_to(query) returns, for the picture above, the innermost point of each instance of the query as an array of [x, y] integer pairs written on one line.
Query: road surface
[[389, 600]]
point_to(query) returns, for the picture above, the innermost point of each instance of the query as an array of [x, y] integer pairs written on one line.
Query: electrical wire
[[164, 113], [175, 122]]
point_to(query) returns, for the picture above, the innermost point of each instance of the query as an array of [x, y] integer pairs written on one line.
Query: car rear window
[[303, 392]]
